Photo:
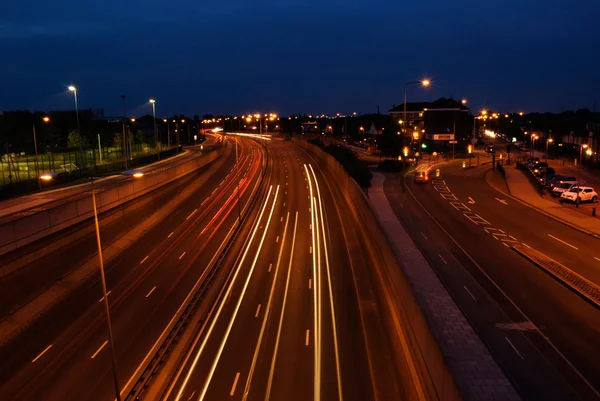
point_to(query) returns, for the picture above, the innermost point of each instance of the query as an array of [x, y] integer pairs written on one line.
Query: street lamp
[[424, 83], [45, 119], [111, 343], [156, 145], [548, 141], [464, 101], [73, 89], [584, 146]]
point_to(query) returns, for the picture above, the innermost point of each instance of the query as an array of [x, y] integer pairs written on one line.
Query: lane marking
[[181, 256], [257, 311], [597, 259], [307, 340], [513, 347], [309, 283], [171, 234], [277, 239], [102, 299], [100, 349], [283, 204], [281, 218], [443, 260], [530, 247], [424, 236], [151, 291], [194, 392], [42, 353], [472, 296], [471, 200], [270, 265], [237, 377], [191, 214], [506, 245], [146, 258], [564, 242], [310, 250], [502, 201]]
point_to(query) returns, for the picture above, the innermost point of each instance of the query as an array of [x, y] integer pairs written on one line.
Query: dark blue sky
[[298, 56]]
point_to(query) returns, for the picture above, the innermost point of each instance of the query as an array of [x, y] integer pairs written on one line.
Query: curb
[[565, 222]]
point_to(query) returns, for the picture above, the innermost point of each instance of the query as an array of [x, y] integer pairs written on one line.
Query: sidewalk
[[474, 368], [520, 188]]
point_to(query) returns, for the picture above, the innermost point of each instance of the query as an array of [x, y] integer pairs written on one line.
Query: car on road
[[421, 177], [580, 194]]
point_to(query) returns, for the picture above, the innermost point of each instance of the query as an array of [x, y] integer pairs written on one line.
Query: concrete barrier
[[33, 224], [423, 371]]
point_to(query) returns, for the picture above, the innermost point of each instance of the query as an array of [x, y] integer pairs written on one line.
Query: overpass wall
[[38, 222]]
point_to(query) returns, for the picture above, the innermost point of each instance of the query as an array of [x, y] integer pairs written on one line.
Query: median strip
[[576, 282]]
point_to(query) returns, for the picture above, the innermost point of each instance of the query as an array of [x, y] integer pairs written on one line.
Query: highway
[[65, 354], [541, 333], [288, 325]]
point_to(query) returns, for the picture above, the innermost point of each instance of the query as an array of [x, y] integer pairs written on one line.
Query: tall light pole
[[73, 89], [125, 156], [424, 82], [45, 119], [156, 145], [168, 133], [584, 146], [548, 141]]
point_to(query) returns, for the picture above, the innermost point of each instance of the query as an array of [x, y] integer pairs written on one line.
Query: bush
[[392, 166], [356, 168]]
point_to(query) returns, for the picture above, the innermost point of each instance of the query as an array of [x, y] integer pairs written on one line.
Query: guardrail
[[38, 222], [532, 178], [416, 351]]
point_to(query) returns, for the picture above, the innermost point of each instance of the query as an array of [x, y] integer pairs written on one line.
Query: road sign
[[453, 142], [440, 137]]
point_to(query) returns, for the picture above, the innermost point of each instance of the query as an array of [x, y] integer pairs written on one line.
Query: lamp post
[[125, 156], [73, 89], [548, 141], [584, 146], [156, 144], [45, 119], [424, 82], [168, 132]]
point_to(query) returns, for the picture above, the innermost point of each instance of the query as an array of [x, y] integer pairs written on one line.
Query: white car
[[580, 194], [562, 187]]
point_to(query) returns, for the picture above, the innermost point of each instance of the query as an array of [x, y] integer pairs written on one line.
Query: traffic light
[[405, 151], [470, 148], [423, 146]]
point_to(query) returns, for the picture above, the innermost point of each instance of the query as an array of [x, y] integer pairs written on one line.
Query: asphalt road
[[65, 355], [542, 334], [288, 327]]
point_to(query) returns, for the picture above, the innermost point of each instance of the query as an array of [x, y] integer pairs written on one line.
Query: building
[[434, 124]]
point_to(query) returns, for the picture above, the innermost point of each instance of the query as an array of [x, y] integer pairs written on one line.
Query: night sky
[[291, 56]]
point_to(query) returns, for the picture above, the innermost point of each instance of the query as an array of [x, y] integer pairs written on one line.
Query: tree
[[75, 140], [139, 137], [118, 140]]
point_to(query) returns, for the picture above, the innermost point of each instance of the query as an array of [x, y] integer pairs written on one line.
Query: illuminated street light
[[464, 101], [425, 83], [484, 112], [46, 119], [156, 145], [133, 120], [521, 113]]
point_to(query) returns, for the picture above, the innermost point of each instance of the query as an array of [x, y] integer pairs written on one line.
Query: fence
[[18, 174]]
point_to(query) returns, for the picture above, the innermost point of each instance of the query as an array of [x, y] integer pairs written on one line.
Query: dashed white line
[[194, 392], [171, 234], [283, 204], [100, 349], [443, 260], [424, 236], [530, 247], [181, 256], [143, 260], [191, 214], [237, 377], [516, 350], [270, 265], [151, 291], [277, 239], [281, 219], [564, 242], [472, 296], [257, 311], [506, 245], [310, 249], [310, 226], [42, 353], [307, 341], [309, 283], [598, 259], [102, 299]]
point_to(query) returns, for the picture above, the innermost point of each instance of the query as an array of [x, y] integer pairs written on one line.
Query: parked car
[[421, 177], [562, 179], [580, 194], [537, 166], [561, 187], [541, 172]]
